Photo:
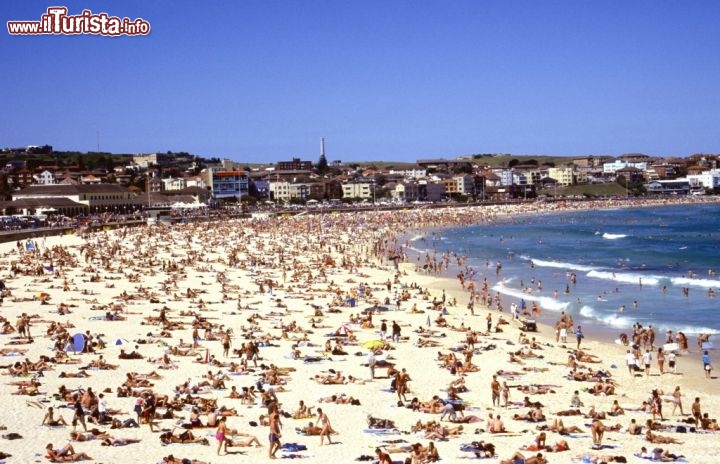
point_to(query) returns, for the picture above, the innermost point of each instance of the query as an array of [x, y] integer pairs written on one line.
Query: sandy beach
[[190, 298]]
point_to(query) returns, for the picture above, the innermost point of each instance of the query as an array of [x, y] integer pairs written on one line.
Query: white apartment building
[[707, 179], [505, 175], [613, 167], [417, 173], [280, 191], [45, 178], [286, 191], [563, 176], [174, 183], [358, 190]]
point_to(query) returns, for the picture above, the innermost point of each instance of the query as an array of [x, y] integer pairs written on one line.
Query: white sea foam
[[608, 236], [653, 280], [545, 302], [691, 282], [612, 319], [560, 265], [625, 277]]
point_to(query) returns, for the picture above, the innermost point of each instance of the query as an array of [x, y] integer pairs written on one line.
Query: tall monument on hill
[[322, 165]]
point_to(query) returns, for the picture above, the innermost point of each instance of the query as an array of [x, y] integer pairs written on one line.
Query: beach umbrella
[[78, 342], [372, 344], [121, 341]]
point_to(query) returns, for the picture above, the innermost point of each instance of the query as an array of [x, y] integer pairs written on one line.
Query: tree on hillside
[[465, 168], [322, 165], [5, 190]]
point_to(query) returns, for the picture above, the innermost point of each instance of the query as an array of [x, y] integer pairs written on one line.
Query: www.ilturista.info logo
[[56, 21]]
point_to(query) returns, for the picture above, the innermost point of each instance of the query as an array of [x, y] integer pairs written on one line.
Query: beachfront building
[[706, 179], [673, 187], [504, 175], [364, 189], [418, 191], [520, 178], [661, 171], [93, 198], [529, 173], [226, 184], [617, 165], [459, 185], [562, 176], [283, 191], [280, 191]]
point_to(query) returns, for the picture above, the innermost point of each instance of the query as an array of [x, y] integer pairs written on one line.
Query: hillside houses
[[123, 182]]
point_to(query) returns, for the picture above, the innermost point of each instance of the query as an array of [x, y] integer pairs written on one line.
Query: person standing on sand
[[325, 425], [631, 362], [372, 362], [221, 435], [396, 332], [505, 394], [226, 343], [274, 436], [196, 337], [697, 411], [598, 430], [495, 389], [706, 364], [677, 401], [647, 360], [672, 362], [79, 414], [579, 335]]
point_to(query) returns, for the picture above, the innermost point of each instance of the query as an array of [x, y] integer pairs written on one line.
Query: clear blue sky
[[262, 81]]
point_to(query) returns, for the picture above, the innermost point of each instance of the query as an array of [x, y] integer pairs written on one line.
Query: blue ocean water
[[631, 265]]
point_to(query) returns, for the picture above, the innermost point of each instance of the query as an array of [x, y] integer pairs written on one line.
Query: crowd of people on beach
[[260, 301]]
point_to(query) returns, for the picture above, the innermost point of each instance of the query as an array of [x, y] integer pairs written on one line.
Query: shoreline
[[606, 335]]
